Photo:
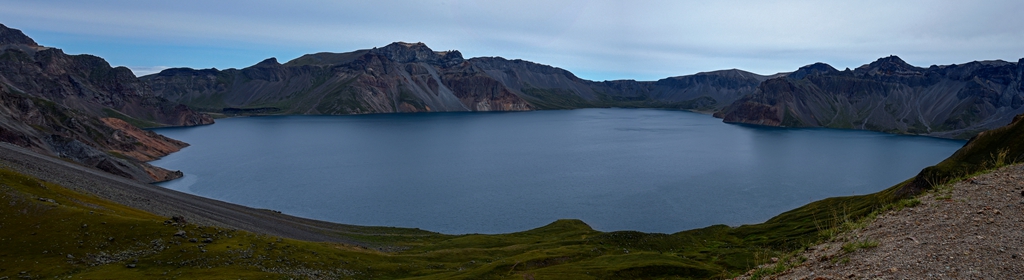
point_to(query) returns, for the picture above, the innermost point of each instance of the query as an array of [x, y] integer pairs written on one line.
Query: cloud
[[146, 70], [638, 40]]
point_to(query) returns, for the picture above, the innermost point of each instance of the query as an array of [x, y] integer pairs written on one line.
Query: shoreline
[[168, 203]]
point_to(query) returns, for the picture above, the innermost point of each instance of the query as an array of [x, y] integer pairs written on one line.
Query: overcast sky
[[597, 40]]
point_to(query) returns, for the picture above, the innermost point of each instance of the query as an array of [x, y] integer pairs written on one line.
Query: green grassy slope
[[989, 149]]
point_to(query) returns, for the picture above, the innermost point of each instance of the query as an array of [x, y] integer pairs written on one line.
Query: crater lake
[[616, 169]]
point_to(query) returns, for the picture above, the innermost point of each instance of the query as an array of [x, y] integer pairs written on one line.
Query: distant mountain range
[[403, 77], [79, 108], [889, 95]]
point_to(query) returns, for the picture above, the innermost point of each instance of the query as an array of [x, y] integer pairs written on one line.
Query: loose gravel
[[971, 230]]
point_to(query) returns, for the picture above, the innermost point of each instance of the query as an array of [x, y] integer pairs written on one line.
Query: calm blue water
[[615, 169]]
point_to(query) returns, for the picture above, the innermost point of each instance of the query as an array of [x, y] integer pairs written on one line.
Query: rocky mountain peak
[[1020, 68], [403, 52], [812, 69], [892, 60], [891, 65], [728, 74], [11, 36], [270, 62], [452, 56]]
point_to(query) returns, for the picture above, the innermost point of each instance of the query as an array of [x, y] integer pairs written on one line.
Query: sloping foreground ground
[[968, 224], [970, 229]]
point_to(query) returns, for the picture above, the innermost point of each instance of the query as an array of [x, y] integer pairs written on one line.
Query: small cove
[[616, 169]]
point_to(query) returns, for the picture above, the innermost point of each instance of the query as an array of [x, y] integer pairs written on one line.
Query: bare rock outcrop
[[110, 145], [410, 77], [889, 95], [79, 108]]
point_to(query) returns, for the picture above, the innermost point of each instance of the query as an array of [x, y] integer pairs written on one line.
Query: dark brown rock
[[889, 95], [9, 36], [77, 107], [410, 77]]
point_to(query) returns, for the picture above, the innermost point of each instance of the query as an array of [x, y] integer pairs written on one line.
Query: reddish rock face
[[59, 104], [480, 92], [400, 77], [111, 145], [140, 144]]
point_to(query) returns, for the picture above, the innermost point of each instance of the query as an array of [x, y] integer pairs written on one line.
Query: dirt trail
[[974, 230]]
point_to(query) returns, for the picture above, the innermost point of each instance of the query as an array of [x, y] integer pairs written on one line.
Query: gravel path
[[168, 203], [974, 230]]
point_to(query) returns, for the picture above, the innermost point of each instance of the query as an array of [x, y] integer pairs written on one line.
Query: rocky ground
[[973, 229]]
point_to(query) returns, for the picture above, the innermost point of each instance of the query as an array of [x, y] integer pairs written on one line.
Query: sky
[[596, 40]]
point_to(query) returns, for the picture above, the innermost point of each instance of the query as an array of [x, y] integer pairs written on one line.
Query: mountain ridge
[[79, 108], [410, 77], [889, 95]]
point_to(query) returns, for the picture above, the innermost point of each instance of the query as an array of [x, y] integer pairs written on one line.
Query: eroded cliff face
[[888, 95], [111, 145], [76, 107], [400, 77], [87, 83], [140, 144], [764, 109], [405, 77]]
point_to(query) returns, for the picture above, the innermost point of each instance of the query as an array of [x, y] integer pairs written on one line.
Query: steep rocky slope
[[397, 78], [79, 108], [85, 83], [404, 77], [554, 88], [108, 144], [889, 95]]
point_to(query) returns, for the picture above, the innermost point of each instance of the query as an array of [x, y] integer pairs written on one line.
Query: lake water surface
[[615, 169]]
